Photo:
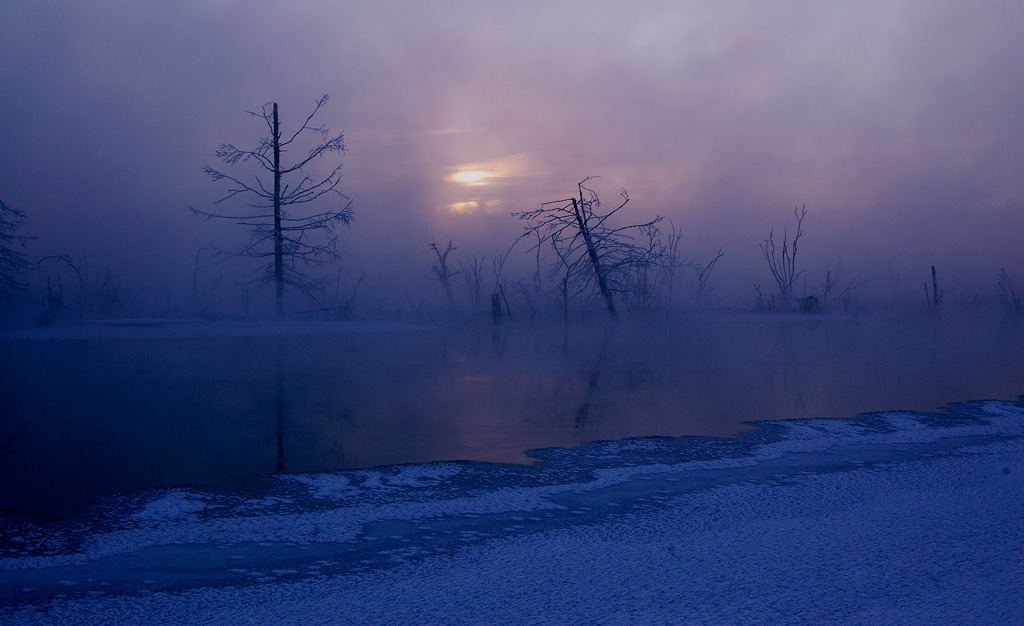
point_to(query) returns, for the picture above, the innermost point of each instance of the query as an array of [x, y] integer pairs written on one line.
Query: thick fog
[[896, 123]]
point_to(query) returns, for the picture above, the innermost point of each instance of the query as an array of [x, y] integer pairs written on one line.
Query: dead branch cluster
[[782, 261], [596, 257]]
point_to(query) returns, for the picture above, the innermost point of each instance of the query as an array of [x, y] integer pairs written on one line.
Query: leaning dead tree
[[592, 254], [289, 236], [782, 263], [12, 262]]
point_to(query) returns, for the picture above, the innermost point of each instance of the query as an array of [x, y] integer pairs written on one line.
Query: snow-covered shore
[[891, 518]]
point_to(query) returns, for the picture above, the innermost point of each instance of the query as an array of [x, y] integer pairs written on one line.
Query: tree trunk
[[594, 260], [278, 240]]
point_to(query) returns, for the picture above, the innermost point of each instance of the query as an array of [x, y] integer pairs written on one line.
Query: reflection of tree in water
[[594, 379], [279, 400], [782, 371], [781, 363]]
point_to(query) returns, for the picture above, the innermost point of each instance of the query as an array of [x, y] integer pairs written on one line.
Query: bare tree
[[443, 273], [498, 266], [201, 304], [648, 281], [672, 264], [99, 293], [531, 289], [846, 295], [12, 262], [704, 277], [1009, 293], [592, 252], [474, 277], [340, 304], [782, 263], [280, 232]]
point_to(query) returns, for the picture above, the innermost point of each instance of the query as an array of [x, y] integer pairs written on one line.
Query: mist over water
[[896, 122], [326, 309], [91, 410]]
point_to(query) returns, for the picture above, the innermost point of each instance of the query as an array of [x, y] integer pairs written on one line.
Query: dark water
[[82, 417]]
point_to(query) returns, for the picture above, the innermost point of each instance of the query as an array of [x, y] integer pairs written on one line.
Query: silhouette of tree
[[281, 231], [591, 253], [782, 263], [704, 277], [444, 274], [12, 262]]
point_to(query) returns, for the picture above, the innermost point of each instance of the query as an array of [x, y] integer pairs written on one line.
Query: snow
[[887, 518]]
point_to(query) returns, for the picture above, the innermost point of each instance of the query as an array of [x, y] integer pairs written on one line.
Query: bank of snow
[[893, 518]]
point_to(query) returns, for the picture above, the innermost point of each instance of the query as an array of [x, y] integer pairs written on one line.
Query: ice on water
[[895, 517]]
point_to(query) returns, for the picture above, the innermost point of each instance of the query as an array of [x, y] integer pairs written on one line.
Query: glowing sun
[[471, 177]]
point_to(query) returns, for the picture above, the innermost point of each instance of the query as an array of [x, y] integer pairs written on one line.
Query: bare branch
[[782, 263], [593, 255], [297, 242]]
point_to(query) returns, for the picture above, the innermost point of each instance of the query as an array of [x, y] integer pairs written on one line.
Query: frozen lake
[[893, 518], [93, 409]]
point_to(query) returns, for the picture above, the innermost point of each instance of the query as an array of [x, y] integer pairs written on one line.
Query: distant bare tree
[[895, 294], [474, 277], [201, 304], [531, 289], [672, 263], [592, 252], [421, 316], [1008, 291], [340, 304], [704, 277], [347, 301], [827, 288], [846, 295], [443, 272], [12, 262], [98, 293], [498, 267], [649, 281], [782, 263], [279, 231], [934, 298]]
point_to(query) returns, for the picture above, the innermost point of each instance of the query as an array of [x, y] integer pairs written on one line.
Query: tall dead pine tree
[[294, 240]]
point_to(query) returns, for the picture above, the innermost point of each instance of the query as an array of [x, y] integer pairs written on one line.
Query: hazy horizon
[[897, 124]]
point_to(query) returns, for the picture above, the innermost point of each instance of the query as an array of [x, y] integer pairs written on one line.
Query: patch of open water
[[85, 416]]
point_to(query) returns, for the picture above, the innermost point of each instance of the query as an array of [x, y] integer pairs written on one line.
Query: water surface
[[86, 413]]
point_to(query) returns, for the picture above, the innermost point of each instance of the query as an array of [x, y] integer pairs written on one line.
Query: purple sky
[[898, 124]]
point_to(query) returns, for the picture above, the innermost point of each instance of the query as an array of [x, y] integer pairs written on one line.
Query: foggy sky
[[897, 123]]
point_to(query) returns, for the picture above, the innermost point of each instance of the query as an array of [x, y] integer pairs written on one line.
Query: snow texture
[[888, 518]]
